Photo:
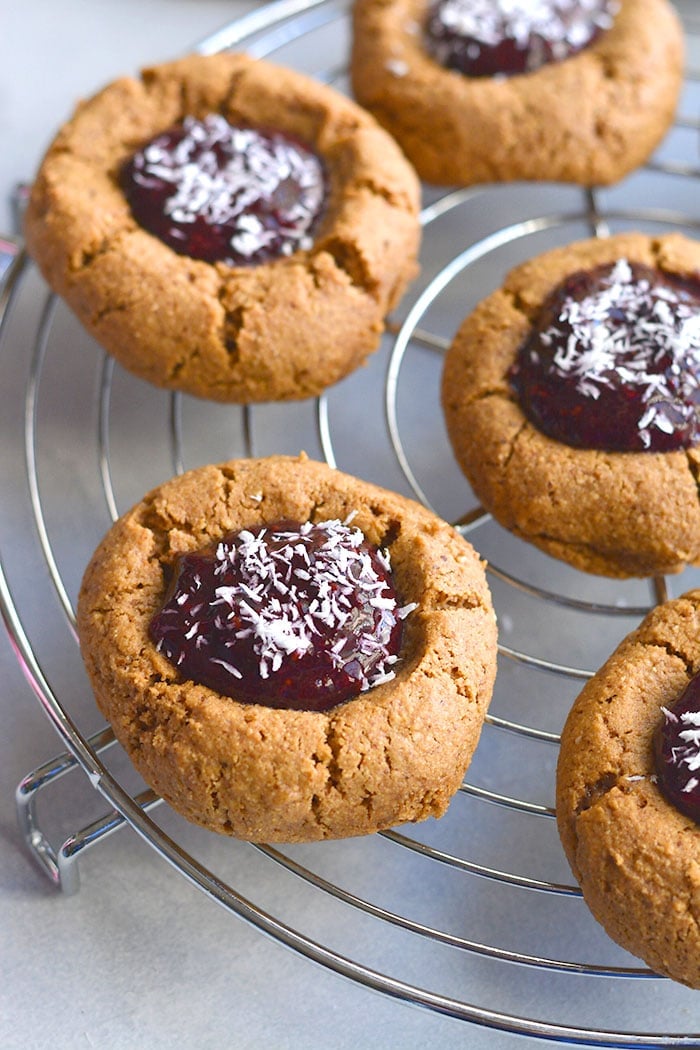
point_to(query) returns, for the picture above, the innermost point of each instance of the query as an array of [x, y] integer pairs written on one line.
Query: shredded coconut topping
[[272, 597], [282, 593], [565, 25], [687, 754], [232, 176], [633, 333]]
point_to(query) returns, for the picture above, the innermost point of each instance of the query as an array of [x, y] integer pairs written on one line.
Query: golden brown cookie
[[394, 753], [589, 119], [279, 330], [614, 513], [635, 855]]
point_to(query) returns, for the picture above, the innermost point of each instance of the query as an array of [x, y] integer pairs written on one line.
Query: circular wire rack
[[474, 916]]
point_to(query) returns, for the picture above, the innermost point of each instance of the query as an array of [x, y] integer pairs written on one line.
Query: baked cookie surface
[[588, 119], [283, 329], [617, 514], [635, 855], [394, 753]]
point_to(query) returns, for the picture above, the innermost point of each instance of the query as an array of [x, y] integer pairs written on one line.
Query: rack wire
[[474, 916]]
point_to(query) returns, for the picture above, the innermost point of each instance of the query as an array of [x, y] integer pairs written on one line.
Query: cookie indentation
[[484, 38], [222, 193], [613, 361], [298, 616]]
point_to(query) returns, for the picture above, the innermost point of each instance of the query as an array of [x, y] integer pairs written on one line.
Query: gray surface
[[138, 958]]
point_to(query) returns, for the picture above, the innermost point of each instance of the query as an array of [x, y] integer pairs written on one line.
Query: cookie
[[615, 513], [395, 752], [588, 119], [278, 328], [635, 855]]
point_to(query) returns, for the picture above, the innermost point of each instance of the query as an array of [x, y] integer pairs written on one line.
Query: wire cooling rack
[[476, 915]]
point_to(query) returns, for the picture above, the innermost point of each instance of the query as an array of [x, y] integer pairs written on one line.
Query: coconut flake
[[565, 25], [229, 176], [656, 350]]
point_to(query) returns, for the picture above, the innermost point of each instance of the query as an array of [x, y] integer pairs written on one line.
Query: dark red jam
[[677, 752], [219, 193], [613, 361], [288, 615], [485, 38]]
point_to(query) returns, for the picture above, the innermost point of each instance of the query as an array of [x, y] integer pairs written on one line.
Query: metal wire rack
[[474, 916]]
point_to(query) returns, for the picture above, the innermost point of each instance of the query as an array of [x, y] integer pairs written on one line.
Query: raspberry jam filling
[[219, 193], [613, 361], [484, 38], [300, 616], [677, 752]]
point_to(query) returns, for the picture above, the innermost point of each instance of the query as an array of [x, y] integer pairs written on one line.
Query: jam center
[[301, 616], [613, 361], [228, 194], [677, 752], [490, 37]]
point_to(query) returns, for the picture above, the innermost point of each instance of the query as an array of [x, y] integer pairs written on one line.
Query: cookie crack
[[457, 403], [83, 260], [671, 650], [317, 508], [228, 473], [157, 519], [608, 64], [391, 533], [183, 362], [569, 545], [436, 599], [513, 444], [517, 300], [108, 309], [367, 803], [234, 322], [348, 258], [597, 792], [401, 201], [330, 761], [228, 104], [316, 810], [333, 764]]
